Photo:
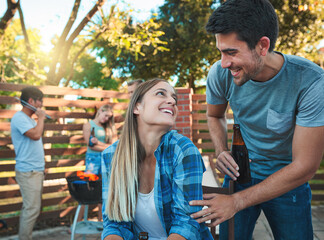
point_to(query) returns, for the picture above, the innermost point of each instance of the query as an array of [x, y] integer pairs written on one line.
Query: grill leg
[[85, 218], [75, 221]]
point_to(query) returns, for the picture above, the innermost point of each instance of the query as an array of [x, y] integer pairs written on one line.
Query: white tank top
[[147, 219]]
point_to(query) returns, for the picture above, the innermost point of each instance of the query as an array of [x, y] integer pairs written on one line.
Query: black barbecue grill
[[86, 192]]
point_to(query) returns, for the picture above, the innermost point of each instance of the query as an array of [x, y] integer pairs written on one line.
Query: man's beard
[[253, 71]]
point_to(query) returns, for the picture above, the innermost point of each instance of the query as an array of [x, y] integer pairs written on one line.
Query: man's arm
[[37, 132], [307, 149], [218, 132]]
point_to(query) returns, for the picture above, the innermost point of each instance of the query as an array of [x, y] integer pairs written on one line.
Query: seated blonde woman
[[150, 175]]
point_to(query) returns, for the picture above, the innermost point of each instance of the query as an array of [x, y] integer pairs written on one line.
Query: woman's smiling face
[[158, 106]]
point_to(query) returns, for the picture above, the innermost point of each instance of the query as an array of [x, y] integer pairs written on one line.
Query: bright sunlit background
[[50, 16]]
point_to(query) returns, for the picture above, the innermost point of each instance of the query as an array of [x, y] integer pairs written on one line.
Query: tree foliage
[[189, 47], [107, 48], [71, 61], [192, 51], [300, 27]]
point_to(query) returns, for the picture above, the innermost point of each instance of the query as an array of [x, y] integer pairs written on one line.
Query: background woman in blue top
[[105, 134], [152, 173]]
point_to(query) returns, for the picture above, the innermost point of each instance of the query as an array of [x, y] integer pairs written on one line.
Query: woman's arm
[[186, 186], [99, 146], [113, 237]]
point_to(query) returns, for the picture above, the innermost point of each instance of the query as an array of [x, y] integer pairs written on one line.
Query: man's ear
[[31, 101], [264, 45]]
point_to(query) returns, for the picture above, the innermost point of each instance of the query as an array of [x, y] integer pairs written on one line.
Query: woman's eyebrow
[[161, 89]]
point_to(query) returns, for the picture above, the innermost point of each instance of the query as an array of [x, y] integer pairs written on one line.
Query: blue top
[[29, 153], [178, 180], [268, 111], [100, 134]]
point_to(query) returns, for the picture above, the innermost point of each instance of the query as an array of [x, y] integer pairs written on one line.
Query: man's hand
[[226, 164], [40, 113], [221, 207]]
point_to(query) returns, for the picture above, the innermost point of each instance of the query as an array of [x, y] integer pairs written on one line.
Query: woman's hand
[[94, 140]]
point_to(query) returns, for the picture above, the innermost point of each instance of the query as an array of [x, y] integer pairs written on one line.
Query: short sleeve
[[311, 105], [215, 89], [22, 124]]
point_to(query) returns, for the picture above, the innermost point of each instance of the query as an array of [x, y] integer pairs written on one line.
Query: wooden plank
[[13, 192], [54, 90], [318, 197], [60, 102], [16, 206], [316, 186], [318, 176], [5, 126], [55, 163], [66, 151], [208, 145], [205, 135], [60, 127], [76, 139], [199, 126], [8, 153], [5, 141], [7, 113], [203, 116]]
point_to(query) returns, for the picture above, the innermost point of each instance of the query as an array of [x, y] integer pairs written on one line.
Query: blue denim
[[93, 163], [289, 215]]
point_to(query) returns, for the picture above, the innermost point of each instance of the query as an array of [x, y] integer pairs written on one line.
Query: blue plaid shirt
[[178, 180]]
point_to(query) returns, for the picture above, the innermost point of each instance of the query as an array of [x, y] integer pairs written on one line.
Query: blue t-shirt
[[29, 153], [268, 111]]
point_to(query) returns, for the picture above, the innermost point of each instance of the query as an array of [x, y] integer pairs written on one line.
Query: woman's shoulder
[[173, 138]]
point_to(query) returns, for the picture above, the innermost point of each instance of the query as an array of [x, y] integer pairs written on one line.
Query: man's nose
[[225, 62]]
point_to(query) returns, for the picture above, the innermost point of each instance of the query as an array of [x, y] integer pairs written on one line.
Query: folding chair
[[227, 191]]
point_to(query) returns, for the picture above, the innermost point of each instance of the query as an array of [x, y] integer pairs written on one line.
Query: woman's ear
[[136, 108]]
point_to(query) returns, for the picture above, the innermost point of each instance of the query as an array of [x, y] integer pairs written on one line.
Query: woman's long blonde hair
[[123, 187], [109, 126]]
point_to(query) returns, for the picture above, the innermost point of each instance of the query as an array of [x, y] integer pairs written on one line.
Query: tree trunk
[[23, 28], [62, 51], [8, 16], [60, 44]]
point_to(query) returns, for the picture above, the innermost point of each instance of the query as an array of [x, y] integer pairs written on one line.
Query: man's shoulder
[[303, 64], [18, 117]]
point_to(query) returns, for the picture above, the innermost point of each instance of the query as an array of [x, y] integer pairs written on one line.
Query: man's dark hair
[[249, 19], [31, 92], [137, 81]]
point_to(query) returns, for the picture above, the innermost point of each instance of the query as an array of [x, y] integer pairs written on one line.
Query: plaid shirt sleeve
[[188, 168], [122, 229]]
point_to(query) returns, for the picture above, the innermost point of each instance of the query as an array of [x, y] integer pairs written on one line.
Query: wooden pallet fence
[[63, 143]]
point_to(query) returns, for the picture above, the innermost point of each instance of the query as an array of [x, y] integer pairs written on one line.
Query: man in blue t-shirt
[[278, 101], [26, 136]]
